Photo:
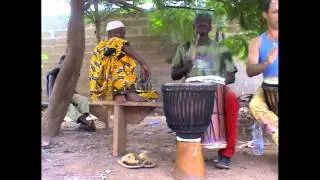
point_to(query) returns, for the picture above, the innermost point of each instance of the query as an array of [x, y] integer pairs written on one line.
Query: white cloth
[[208, 79], [188, 140], [114, 25], [271, 80], [89, 118]]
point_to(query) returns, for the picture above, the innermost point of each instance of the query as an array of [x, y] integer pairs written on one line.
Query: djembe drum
[[215, 136], [188, 108], [271, 96]]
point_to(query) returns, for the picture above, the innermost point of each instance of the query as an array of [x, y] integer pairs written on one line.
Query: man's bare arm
[[253, 66], [179, 72], [135, 55], [139, 58], [230, 77]]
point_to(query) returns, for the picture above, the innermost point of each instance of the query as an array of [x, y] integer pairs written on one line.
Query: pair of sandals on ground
[[131, 161]]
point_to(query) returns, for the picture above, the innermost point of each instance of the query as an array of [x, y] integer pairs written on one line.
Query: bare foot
[[120, 99], [134, 97]]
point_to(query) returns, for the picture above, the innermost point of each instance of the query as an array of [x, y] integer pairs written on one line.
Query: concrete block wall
[[54, 44]]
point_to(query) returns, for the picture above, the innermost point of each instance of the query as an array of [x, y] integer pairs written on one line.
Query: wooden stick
[[193, 57]]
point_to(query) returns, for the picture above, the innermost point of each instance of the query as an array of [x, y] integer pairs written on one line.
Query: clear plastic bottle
[[257, 139]]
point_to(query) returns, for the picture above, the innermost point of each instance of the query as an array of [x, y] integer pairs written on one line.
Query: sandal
[[129, 161], [147, 163]]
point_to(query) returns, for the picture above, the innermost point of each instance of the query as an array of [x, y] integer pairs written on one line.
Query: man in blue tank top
[[263, 59]]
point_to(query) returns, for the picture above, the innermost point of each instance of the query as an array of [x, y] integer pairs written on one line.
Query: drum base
[[189, 163]]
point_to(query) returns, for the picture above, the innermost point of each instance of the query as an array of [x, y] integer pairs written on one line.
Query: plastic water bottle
[[257, 139]]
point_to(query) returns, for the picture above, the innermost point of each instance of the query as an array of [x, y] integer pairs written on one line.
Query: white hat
[[114, 25]]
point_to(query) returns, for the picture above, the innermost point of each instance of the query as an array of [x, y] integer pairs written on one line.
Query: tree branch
[[90, 15], [105, 17], [187, 7], [96, 10], [124, 4], [87, 4]]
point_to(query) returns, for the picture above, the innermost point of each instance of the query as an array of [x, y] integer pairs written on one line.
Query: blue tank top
[[265, 49]]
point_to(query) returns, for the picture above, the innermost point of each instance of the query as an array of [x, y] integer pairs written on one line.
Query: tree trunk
[[97, 21], [98, 30], [67, 79]]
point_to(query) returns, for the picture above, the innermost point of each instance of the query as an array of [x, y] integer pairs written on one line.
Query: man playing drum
[[207, 57], [263, 58]]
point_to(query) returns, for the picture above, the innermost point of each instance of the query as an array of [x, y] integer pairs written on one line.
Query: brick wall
[[54, 44]]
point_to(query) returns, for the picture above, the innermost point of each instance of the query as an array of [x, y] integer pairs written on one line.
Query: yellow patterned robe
[[112, 72]]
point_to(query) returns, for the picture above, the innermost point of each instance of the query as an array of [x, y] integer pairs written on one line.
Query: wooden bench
[[128, 112]]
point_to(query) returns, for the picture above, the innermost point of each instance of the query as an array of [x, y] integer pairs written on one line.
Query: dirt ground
[[80, 155]]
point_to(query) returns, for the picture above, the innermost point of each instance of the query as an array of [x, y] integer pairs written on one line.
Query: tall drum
[[271, 96], [188, 108]]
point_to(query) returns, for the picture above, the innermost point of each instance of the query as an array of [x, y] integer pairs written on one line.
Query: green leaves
[[44, 59], [238, 44], [177, 23], [248, 12]]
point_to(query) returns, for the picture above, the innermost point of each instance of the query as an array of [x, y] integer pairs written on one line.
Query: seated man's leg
[[120, 98], [81, 102], [132, 96], [261, 112], [80, 111], [231, 117], [73, 113]]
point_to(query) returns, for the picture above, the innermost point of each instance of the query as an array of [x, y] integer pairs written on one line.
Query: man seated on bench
[[112, 68], [78, 110]]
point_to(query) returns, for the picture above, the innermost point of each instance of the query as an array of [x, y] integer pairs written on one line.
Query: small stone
[[108, 171]]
